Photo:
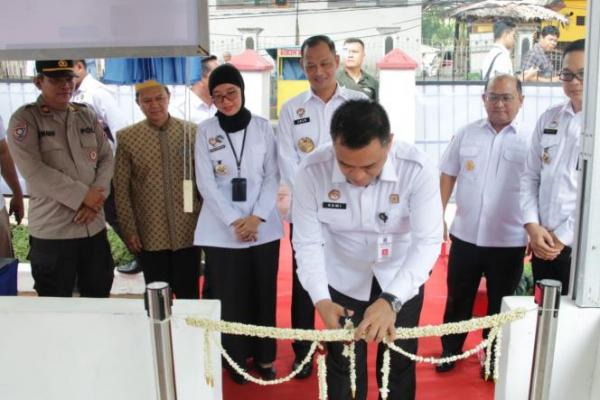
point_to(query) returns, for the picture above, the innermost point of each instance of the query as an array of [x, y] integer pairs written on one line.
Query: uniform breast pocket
[[89, 147], [256, 157], [53, 153], [399, 219], [550, 146], [515, 155], [335, 217], [469, 162]]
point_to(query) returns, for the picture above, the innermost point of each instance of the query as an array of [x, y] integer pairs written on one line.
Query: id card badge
[[188, 196], [384, 248]]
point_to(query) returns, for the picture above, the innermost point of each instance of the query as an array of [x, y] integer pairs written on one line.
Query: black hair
[[355, 40], [357, 122], [83, 62], [204, 68], [137, 94], [550, 30], [315, 40], [502, 26], [578, 45], [504, 76]]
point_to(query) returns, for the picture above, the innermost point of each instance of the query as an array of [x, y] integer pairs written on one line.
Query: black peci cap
[[55, 68]]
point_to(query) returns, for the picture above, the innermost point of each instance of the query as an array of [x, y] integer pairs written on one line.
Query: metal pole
[[158, 302], [547, 297]]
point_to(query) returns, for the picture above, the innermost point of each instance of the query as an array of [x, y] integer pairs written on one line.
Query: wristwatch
[[395, 302]]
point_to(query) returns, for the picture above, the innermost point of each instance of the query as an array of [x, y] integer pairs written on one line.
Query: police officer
[[485, 160], [239, 226], [549, 184], [303, 126], [368, 230], [61, 150]]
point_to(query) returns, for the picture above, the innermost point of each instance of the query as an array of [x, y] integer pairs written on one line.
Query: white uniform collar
[[339, 91], [388, 173], [513, 127]]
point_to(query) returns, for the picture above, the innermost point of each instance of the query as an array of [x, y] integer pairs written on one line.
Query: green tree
[[435, 29]]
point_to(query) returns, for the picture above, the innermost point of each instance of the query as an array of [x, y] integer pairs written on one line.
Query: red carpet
[[463, 383]]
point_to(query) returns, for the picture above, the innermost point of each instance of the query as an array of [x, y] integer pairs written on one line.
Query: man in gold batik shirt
[[153, 158]]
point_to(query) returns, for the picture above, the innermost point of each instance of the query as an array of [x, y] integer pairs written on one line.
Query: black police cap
[[55, 68]]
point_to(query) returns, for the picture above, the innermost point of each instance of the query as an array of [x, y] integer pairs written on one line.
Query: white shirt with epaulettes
[[549, 184], [488, 166], [216, 167], [304, 123], [338, 226]]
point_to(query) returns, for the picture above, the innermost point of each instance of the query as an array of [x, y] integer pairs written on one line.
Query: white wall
[[576, 360], [97, 349], [279, 27]]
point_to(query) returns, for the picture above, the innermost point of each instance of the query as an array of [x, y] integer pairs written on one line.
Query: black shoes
[[305, 372], [237, 378], [130, 268], [266, 373], [446, 366]]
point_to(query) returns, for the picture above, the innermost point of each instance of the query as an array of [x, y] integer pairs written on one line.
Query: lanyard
[[238, 162]]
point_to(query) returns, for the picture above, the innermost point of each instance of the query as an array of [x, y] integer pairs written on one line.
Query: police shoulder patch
[[20, 131]]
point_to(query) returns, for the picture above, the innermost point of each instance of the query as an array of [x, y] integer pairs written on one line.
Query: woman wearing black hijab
[[239, 227]]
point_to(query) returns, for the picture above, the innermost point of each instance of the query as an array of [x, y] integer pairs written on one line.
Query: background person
[[537, 65], [498, 60], [549, 184], [352, 76]]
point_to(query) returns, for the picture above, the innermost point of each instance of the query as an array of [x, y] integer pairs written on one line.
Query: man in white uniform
[[201, 106], [368, 228], [303, 126], [498, 60], [101, 98], [549, 185], [9, 173], [485, 160]]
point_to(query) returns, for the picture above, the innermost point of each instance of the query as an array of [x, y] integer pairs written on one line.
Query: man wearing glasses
[[549, 184], [62, 152], [485, 160]]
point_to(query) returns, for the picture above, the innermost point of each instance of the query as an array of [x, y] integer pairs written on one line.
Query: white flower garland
[[385, 374], [493, 322], [322, 372], [350, 353]]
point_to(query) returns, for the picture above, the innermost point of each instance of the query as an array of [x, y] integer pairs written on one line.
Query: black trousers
[[180, 268], [402, 381], [303, 310], [58, 265], [467, 263], [245, 280], [558, 269], [110, 214]]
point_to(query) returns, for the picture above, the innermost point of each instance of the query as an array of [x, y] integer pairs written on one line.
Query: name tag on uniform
[[86, 130], [46, 133], [301, 121], [337, 206], [221, 147], [384, 247], [550, 131]]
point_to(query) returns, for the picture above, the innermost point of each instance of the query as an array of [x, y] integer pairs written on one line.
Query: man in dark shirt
[[537, 66], [352, 76]]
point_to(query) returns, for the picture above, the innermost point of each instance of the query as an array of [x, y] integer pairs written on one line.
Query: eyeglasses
[[496, 98], [230, 95], [567, 76]]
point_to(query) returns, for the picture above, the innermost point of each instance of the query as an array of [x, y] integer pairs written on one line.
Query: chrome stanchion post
[[547, 297], [158, 302]]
